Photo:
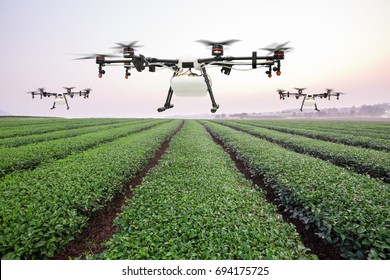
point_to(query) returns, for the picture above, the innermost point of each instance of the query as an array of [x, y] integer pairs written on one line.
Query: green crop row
[[196, 205], [29, 156], [366, 161], [353, 140], [34, 138], [344, 208], [347, 129], [371, 129], [51, 125], [43, 209]]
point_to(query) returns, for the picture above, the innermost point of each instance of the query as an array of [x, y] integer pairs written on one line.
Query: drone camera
[[152, 68]]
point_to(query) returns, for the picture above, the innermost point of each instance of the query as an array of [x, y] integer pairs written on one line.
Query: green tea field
[[162, 189]]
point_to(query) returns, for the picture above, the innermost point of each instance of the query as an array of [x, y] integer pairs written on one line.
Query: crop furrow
[[362, 141], [364, 161], [64, 133], [344, 208], [308, 236], [55, 125], [196, 205], [31, 156], [44, 209], [100, 225]]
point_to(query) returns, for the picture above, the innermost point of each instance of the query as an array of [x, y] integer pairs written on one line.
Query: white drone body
[[189, 84]]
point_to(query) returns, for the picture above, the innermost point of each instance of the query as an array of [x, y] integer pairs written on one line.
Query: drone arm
[[232, 58]]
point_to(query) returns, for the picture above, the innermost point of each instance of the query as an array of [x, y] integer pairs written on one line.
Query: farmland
[[331, 179]]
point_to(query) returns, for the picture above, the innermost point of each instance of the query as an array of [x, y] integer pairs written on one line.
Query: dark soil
[[316, 245], [100, 226]]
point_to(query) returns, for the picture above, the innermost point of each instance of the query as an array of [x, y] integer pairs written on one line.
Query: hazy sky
[[340, 44]]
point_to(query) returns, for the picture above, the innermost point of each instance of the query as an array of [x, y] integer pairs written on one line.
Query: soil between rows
[[308, 237], [100, 226]]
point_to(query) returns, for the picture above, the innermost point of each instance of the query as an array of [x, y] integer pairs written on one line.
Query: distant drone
[[60, 98], [188, 83], [309, 99]]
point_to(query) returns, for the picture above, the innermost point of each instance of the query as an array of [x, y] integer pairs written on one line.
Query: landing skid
[[168, 104]]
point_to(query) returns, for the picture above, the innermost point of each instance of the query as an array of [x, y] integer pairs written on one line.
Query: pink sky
[[336, 45]]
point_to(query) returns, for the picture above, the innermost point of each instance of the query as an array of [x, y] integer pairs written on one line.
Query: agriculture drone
[[184, 81], [60, 98], [308, 99]]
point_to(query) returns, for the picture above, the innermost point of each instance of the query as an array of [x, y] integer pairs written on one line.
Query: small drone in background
[[309, 99], [185, 81], [60, 98]]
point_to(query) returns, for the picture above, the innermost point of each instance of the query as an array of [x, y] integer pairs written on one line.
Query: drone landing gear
[[207, 80], [168, 104]]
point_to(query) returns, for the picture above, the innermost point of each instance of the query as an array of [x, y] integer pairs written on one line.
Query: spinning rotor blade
[[223, 43], [280, 90], [87, 89], [95, 55], [300, 89], [217, 47], [132, 45], [69, 88], [278, 47]]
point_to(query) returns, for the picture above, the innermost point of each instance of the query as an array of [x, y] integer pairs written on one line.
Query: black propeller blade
[[223, 43], [69, 88], [278, 47], [217, 47], [132, 45], [96, 55]]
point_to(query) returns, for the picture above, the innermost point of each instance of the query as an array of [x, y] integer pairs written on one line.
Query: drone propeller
[[127, 45], [69, 88], [278, 49], [280, 90], [300, 89], [96, 56], [337, 94], [86, 92], [212, 43], [217, 47], [127, 48], [33, 93]]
